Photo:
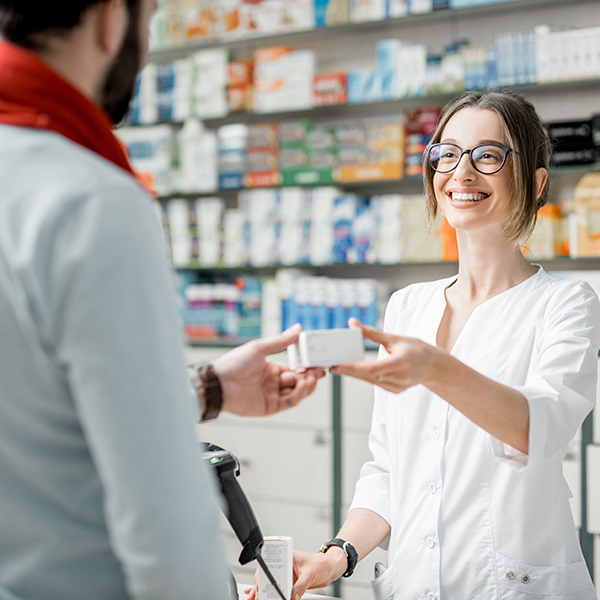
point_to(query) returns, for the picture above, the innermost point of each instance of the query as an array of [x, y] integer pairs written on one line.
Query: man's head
[[34, 24]]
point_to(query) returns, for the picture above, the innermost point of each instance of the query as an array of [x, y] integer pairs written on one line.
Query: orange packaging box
[[261, 179], [241, 72], [586, 231], [370, 172]]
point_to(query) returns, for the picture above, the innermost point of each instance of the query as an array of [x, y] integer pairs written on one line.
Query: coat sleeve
[[119, 338], [561, 384]]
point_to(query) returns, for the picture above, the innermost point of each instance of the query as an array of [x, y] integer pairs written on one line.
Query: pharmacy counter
[[307, 596]]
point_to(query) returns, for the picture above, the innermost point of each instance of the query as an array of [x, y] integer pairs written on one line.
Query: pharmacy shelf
[[372, 270], [384, 26], [406, 185], [412, 184], [383, 108]]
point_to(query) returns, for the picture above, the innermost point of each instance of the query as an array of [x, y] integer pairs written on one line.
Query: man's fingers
[[290, 397], [289, 379], [278, 343]]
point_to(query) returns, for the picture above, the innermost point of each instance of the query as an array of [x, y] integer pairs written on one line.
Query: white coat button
[[436, 434], [510, 575], [430, 542], [431, 596], [432, 487], [525, 579]]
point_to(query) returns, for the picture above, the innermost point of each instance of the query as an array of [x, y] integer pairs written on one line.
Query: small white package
[[277, 553], [326, 348]]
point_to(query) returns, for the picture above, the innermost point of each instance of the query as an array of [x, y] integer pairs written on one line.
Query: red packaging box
[[330, 89]]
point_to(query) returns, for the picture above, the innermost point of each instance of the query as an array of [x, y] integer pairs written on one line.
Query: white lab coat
[[472, 518]]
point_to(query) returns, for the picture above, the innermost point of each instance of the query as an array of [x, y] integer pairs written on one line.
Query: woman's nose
[[464, 170]]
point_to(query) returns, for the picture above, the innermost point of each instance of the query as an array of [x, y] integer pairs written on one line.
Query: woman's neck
[[489, 266]]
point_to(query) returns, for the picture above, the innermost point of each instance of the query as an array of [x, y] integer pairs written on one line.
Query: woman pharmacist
[[481, 382]]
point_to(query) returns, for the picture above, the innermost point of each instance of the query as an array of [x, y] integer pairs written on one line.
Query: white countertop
[[307, 596]]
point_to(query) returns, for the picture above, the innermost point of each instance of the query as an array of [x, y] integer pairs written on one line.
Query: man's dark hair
[[28, 23]]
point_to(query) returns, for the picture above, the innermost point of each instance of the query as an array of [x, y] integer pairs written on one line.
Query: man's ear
[[111, 20]]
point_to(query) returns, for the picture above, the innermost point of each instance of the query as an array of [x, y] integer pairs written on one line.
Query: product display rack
[[384, 26], [513, 10], [368, 109], [406, 185]]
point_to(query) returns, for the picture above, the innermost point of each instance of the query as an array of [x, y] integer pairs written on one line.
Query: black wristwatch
[[349, 551]]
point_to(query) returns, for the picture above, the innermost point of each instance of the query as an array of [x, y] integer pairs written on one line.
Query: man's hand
[[256, 387]]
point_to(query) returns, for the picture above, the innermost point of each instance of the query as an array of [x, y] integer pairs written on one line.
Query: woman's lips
[[467, 196]]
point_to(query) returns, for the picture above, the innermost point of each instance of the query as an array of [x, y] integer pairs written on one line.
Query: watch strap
[[211, 388], [349, 551]]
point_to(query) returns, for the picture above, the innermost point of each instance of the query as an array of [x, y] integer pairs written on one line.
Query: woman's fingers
[[371, 333]]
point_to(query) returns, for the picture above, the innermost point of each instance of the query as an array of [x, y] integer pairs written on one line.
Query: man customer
[[102, 494]]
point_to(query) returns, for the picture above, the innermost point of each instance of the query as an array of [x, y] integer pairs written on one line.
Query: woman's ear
[[112, 19], [541, 178]]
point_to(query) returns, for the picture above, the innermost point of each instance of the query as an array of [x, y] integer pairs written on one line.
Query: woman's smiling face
[[471, 200]]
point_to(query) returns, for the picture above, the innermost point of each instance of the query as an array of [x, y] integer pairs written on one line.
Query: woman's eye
[[489, 157]]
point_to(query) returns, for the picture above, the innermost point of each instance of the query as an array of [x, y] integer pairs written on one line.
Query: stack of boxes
[[209, 217], [198, 159], [325, 303], [283, 79], [210, 79], [307, 155], [179, 21], [420, 125], [233, 140], [183, 235], [321, 234], [294, 223], [262, 228], [585, 220], [174, 90], [240, 79], [234, 237], [262, 156], [377, 10], [401, 68], [301, 226], [144, 104], [370, 151], [151, 150]]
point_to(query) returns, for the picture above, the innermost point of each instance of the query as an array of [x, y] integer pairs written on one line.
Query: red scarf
[[33, 95]]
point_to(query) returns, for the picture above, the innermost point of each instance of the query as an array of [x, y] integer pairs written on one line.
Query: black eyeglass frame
[[505, 149]]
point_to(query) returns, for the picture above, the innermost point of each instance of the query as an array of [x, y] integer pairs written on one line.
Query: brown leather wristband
[[210, 386]]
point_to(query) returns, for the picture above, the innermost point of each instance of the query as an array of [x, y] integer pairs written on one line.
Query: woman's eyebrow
[[486, 141]]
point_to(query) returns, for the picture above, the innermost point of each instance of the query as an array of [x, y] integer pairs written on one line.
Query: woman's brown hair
[[525, 133]]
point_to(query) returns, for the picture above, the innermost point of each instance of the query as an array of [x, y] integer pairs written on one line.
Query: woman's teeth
[[468, 197]]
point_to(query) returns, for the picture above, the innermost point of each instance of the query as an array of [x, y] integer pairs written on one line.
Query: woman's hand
[[499, 409], [311, 571], [410, 361]]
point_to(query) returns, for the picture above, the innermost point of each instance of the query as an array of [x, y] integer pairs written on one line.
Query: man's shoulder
[[55, 165]]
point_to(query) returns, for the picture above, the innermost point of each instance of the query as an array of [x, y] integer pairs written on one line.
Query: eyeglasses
[[485, 158]]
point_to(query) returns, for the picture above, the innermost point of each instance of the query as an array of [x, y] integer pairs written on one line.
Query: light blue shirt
[[102, 491]]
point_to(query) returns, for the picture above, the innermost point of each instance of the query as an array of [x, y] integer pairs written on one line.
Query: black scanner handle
[[239, 512]]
